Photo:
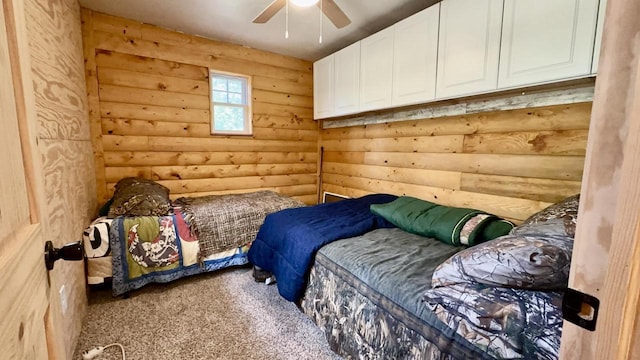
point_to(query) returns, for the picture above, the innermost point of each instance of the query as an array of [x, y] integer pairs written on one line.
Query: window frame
[[248, 118]]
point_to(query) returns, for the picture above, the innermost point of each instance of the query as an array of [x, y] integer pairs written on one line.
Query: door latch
[[71, 251], [580, 308]]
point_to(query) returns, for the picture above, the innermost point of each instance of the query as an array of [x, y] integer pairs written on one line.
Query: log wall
[[149, 108], [510, 163]]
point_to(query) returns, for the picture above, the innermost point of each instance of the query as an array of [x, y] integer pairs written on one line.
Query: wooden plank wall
[[149, 100], [510, 163]]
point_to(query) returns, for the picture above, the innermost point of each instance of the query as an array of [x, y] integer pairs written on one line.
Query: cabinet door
[[415, 53], [346, 80], [376, 69], [469, 47], [544, 41], [598, 42], [323, 88]]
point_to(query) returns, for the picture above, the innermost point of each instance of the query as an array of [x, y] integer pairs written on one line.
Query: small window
[[230, 104]]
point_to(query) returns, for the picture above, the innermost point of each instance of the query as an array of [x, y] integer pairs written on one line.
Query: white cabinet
[[323, 87], [469, 47], [598, 42], [376, 69], [415, 53], [346, 80], [546, 41]]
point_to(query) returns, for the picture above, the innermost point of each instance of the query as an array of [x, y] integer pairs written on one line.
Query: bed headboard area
[[510, 163], [149, 110]]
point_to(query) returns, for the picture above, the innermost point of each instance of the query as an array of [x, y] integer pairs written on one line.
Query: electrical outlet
[[63, 299]]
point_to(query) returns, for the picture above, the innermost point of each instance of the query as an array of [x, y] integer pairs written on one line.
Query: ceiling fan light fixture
[[304, 3]]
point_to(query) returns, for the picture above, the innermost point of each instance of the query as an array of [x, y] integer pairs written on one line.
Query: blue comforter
[[289, 239]]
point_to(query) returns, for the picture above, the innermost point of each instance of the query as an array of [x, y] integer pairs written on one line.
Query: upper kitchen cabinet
[[415, 53], [346, 80], [323, 87], [545, 41], [376, 69], [469, 47], [598, 42]]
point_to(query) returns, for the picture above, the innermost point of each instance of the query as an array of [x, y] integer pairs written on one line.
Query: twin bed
[[379, 282]]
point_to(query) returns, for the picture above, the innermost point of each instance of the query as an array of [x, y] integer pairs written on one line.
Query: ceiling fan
[[329, 8]]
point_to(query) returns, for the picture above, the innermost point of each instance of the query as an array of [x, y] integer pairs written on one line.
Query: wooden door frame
[[606, 261], [20, 58]]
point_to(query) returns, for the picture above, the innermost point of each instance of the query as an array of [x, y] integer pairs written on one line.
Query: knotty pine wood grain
[[511, 163], [154, 111]]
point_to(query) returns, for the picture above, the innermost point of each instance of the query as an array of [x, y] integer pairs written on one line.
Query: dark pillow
[[139, 197], [557, 219], [455, 226], [517, 261]]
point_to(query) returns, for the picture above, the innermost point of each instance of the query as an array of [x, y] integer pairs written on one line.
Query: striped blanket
[[223, 222]]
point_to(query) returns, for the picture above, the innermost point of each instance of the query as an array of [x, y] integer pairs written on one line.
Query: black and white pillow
[[96, 238]]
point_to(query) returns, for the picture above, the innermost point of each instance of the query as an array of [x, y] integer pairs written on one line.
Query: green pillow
[[452, 225]]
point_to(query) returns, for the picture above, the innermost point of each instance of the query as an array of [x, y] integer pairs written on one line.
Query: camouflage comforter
[[372, 297]]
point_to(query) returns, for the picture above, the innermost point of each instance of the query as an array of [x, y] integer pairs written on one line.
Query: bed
[[147, 238], [407, 292]]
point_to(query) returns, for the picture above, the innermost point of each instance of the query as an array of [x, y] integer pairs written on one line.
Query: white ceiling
[[231, 21]]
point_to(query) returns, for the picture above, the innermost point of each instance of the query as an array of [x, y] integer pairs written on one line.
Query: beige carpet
[[221, 315]]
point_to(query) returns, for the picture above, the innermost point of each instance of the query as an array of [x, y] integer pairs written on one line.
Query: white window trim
[[248, 120]]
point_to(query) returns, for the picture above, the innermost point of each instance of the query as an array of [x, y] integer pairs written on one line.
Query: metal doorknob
[[71, 251]]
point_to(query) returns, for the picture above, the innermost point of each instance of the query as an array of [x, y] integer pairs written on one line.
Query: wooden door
[[376, 69], [535, 51], [469, 47], [24, 304]]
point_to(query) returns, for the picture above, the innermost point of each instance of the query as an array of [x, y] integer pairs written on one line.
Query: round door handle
[[71, 251]]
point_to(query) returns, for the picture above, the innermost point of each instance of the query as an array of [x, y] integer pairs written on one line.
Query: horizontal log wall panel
[[434, 144], [283, 122], [221, 171], [499, 205], [510, 163], [163, 128], [564, 142], [152, 112], [293, 190], [236, 183], [546, 167], [165, 143], [548, 190], [129, 95], [122, 44], [560, 117], [168, 158], [435, 178], [115, 60], [135, 30], [113, 174], [152, 82]]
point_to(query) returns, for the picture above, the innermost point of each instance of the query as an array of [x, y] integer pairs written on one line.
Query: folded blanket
[[225, 222], [289, 239]]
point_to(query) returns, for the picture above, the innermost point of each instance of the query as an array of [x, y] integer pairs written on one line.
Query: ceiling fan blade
[[271, 10], [334, 13]]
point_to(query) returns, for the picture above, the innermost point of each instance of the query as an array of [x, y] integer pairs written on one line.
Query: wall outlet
[[63, 299]]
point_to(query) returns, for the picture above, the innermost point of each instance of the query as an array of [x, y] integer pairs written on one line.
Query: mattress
[[367, 295]]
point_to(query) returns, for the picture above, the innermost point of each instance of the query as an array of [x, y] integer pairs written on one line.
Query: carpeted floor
[[221, 315]]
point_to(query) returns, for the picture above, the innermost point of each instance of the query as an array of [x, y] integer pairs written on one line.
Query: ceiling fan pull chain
[[321, 12], [286, 21]]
